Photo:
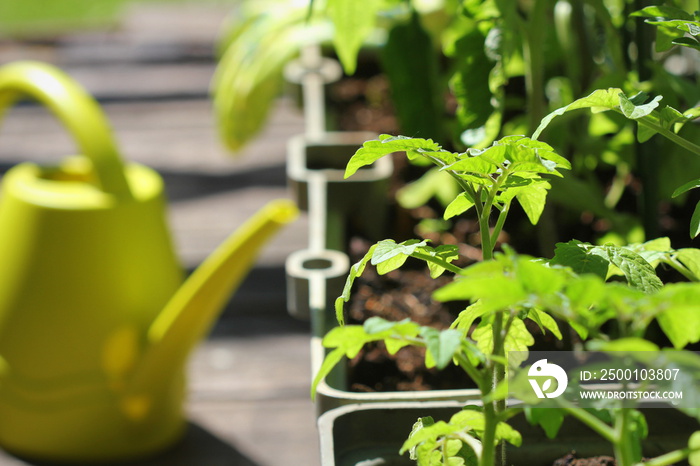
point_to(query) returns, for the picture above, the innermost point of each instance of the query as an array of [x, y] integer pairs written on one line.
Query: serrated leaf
[[679, 315], [388, 255], [549, 419], [373, 150], [355, 271], [441, 345], [428, 433], [518, 338], [545, 321], [532, 199], [573, 254], [602, 99], [444, 252], [458, 206], [473, 164], [417, 426], [633, 111], [466, 318], [639, 273], [395, 335]]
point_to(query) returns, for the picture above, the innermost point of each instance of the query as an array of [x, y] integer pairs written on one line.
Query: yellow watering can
[[95, 322]]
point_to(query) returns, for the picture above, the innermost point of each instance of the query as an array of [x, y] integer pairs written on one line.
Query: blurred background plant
[[464, 73], [467, 72]]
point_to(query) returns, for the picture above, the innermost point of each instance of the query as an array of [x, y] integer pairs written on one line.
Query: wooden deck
[[249, 401]]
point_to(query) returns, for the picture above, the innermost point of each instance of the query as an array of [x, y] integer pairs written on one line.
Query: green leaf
[[532, 199], [687, 42], [427, 433], [441, 345], [663, 11], [329, 362], [545, 321], [694, 446], [396, 335], [686, 187], [633, 344], [690, 258], [353, 23], [466, 318], [458, 206], [573, 254], [473, 162], [495, 291], [518, 338], [653, 251], [691, 27], [597, 259], [434, 183], [417, 426], [639, 273], [599, 100], [388, 255], [248, 76], [355, 271], [444, 252], [373, 150], [695, 222], [633, 111], [549, 419], [471, 80], [507, 433], [411, 65], [678, 315]]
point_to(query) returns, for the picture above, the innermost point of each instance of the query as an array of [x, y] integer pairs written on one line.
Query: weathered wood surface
[[249, 402]]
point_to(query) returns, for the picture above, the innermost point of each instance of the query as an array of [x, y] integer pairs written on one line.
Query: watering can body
[[81, 276], [95, 322]]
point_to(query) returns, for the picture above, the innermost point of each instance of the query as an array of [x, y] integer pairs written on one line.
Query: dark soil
[[571, 460], [398, 295]]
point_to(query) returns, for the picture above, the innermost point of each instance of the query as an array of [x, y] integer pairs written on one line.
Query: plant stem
[[667, 459], [488, 441], [590, 420], [499, 223], [670, 135], [437, 261], [493, 409], [472, 372], [624, 453], [682, 269]]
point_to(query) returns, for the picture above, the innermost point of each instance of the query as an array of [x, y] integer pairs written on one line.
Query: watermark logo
[[542, 369]]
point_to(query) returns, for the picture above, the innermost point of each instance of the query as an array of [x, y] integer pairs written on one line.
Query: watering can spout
[[192, 310]]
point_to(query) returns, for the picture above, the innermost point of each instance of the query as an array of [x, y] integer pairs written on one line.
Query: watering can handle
[[75, 108]]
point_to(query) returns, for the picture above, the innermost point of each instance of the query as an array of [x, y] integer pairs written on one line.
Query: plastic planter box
[[372, 434]]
